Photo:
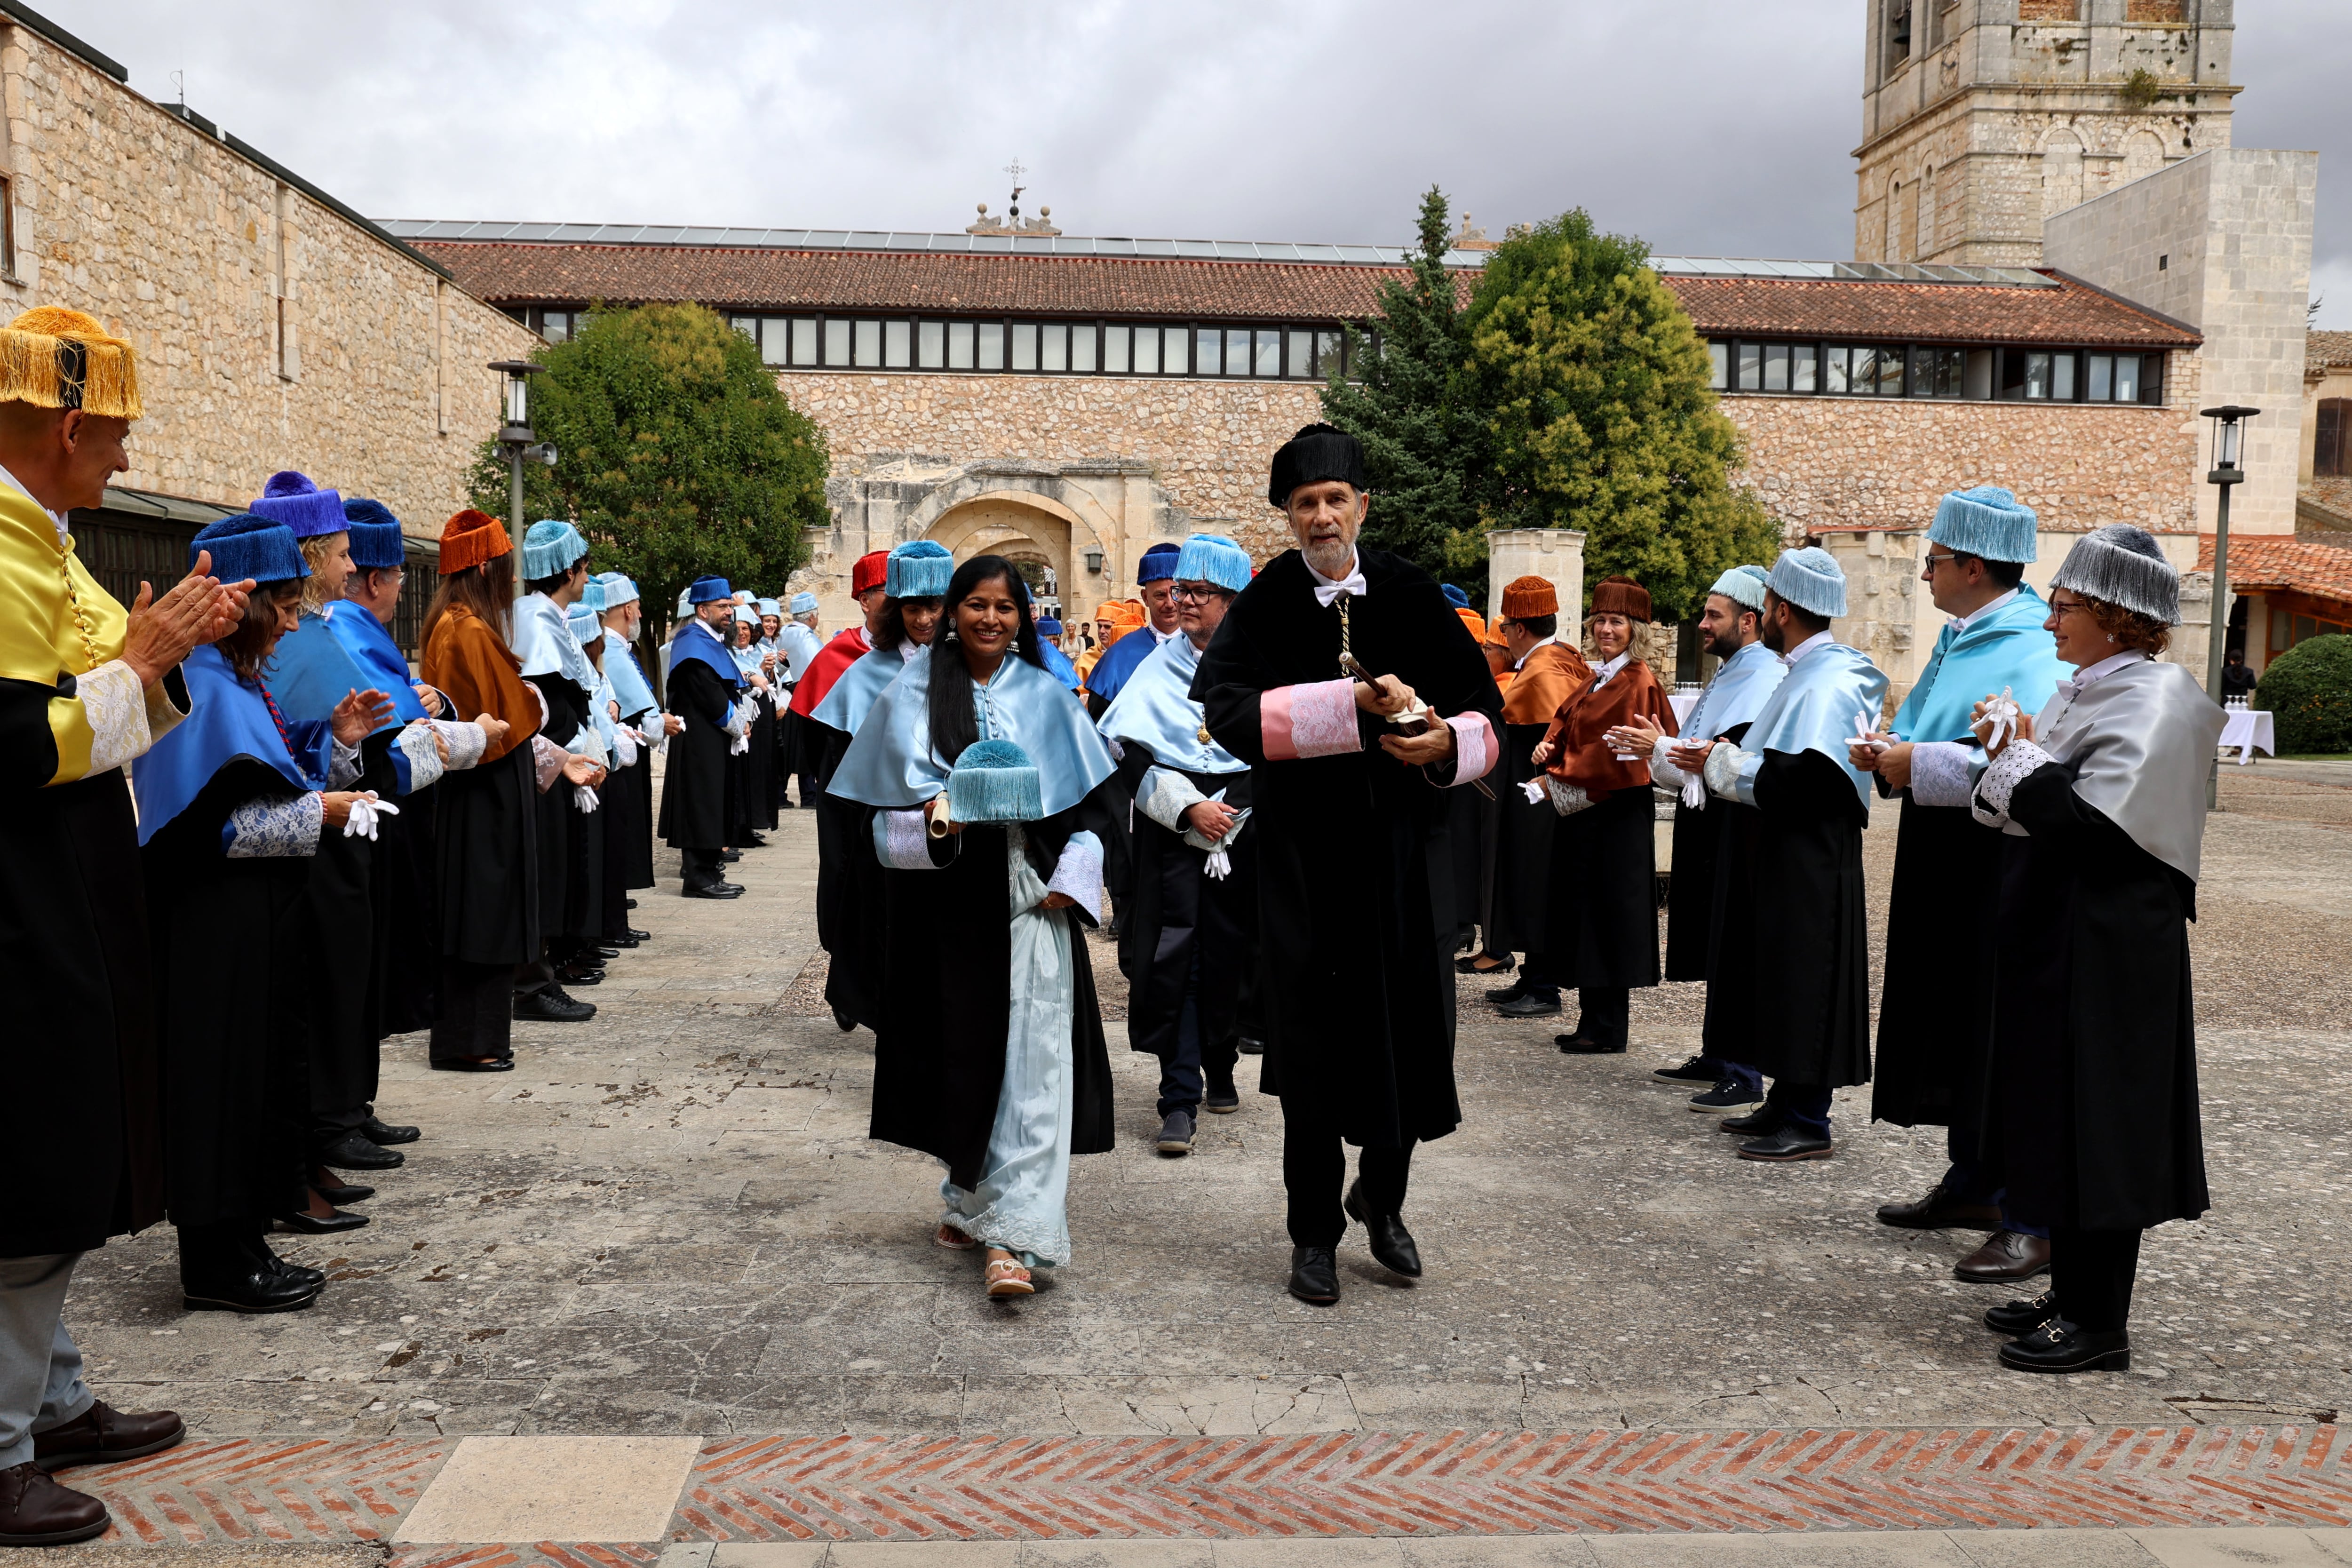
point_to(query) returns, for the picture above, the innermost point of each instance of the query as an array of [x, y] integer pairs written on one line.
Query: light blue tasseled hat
[[994, 780], [1810, 579], [551, 547], [1744, 587], [1987, 520], [1213, 558], [805, 603], [618, 590], [919, 569]]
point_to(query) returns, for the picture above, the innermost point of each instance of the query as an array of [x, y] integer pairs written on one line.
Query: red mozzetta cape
[[845, 649]]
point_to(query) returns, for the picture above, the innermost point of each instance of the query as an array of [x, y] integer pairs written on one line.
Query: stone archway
[[1016, 524]]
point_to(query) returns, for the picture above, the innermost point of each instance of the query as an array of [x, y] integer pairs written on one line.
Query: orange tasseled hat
[[471, 537], [1524, 597]]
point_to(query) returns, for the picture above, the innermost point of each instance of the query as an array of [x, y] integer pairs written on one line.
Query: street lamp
[[2229, 437], [516, 436]]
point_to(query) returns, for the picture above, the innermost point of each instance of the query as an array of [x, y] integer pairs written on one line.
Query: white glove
[[1220, 865], [364, 812], [1534, 790], [624, 746], [2002, 713], [583, 798]]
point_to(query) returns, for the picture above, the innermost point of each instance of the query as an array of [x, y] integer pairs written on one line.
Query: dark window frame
[[1946, 362]]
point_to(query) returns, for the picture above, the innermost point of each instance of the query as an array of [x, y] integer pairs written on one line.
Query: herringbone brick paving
[[1332, 1484]]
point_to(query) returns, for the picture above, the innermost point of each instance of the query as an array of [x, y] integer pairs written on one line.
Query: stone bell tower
[[1980, 118]]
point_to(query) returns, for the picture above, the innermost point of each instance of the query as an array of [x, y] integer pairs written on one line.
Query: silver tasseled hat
[[2120, 564]]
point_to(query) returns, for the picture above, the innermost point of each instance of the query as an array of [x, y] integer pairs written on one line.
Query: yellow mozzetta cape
[[55, 620]]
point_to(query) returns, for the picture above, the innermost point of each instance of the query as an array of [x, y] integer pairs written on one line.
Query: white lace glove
[[583, 799], [364, 812]]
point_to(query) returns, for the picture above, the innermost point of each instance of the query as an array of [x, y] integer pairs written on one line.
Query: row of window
[[1024, 347], [1933, 370]]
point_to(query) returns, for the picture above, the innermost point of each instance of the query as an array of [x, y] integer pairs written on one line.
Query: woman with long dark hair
[[487, 843], [233, 805], [990, 1055]]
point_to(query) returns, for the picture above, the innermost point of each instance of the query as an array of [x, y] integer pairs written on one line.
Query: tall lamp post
[[2229, 435], [515, 435]]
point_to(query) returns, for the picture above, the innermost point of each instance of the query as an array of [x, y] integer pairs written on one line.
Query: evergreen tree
[[676, 455], [1590, 385], [1417, 446]]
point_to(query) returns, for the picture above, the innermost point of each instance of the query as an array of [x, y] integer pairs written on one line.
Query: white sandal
[[1007, 1277], [951, 1238]]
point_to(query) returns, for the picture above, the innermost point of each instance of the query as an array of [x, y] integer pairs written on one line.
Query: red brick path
[[918, 1488]]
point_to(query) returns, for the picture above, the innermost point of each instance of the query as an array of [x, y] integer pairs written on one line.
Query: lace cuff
[[547, 760], [422, 757], [120, 715], [467, 742], [2017, 760], [1079, 873], [1730, 772], [589, 743], [1474, 750], [1165, 796], [274, 829], [624, 748], [902, 840], [1943, 772], [1313, 720], [343, 766]]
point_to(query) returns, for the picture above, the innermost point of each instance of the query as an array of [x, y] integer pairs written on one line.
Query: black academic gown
[[1519, 905], [760, 764], [1789, 996], [349, 889], [1357, 984], [237, 961], [570, 841], [1178, 912], [699, 804], [411, 913], [2093, 1082], [1935, 1012], [939, 1053], [1603, 929], [1690, 890], [485, 839], [852, 922]]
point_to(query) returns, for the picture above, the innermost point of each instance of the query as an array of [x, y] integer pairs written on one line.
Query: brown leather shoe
[[36, 1511], [102, 1435], [2006, 1256], [1940, 1210]]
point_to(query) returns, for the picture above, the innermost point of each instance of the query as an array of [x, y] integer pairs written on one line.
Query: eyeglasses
[[1202, 592], [1934, 560], [2066, 606]]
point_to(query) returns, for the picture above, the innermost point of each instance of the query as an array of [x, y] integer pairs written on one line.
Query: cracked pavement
[[671, 1220]]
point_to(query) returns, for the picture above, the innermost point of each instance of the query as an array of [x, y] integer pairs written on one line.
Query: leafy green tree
[[2308, 690], [1591, 387], [676, 454], [1418, 444]]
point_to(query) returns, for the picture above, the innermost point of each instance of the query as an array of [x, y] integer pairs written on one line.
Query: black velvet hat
[[1317, 453]]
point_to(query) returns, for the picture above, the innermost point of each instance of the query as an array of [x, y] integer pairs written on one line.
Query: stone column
[[1554, 554]]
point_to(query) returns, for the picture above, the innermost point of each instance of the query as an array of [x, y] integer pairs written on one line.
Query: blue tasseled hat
[[994, 780], [549, 549], [1810, 579], [1987, 520], [249, 545], [291, 498], [376, 543], [919, 569], [1049, 627], [1744, 587], [1213, 558], [618, 590], [1158, 564], [805, 604], [1455, 596]]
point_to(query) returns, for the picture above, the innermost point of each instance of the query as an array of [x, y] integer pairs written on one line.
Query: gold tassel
[[33, 364]]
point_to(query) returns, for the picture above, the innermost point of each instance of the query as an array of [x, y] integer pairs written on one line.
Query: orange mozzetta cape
[[465, 660], [1553, 674], [1584, 759]]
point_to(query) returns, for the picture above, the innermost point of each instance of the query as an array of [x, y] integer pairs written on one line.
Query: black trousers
[[1315, 1176], [1604, 1012], [2091, 1273], [477, 1011], [701, 867]]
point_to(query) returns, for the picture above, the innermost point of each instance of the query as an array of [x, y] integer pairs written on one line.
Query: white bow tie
[[1351, 585]]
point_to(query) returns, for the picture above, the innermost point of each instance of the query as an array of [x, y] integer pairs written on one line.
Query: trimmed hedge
[[2308, 690]]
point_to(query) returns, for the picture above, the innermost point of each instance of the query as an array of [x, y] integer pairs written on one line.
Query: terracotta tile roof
[[787, 279], [2324, 350], [2072, 313], [2260, 562]]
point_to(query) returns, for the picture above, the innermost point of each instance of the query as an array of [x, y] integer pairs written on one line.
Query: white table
[[1682, 702], [2247, 729]]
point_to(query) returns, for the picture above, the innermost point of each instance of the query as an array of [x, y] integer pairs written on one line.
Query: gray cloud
[[1713, 127]]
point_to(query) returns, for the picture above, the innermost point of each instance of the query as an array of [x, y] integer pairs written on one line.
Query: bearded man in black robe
[[1345, 680]]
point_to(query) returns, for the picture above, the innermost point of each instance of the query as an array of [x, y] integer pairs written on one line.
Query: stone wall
[[272, 332]]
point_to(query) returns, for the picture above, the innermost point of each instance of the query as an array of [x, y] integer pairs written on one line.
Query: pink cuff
[[1316, 721], [1474, 747]]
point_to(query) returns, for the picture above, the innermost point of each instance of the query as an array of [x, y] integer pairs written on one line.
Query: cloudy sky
[[1712, 127]]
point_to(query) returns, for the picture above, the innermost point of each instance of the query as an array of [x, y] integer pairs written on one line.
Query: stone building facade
[[1981, 118], [274, 328]]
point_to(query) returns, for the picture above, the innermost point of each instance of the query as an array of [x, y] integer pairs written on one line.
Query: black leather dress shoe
[[614, 946], [715, 891], [1526, 1005], [605, 955], [1940, 1210], [1582, 1044], [306, 1224], [1251, 1048], [1502, 995], [752, 841], [1786, 1145], [257, 1250], [354, 1152], [2006, 1258], [548, 1005], [243, 1286], [629, 903], [1315, 1274], [2022, 1317], [343, 1192], [1391, 1243], [842, 1021], [2059, 1346], [102, 1435], [471, 1064], [635, 934], [579, 974], [386, 1133], [1763, 1119], [730, 855]]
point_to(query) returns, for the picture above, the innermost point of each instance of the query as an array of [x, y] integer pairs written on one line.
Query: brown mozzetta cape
[[1553, 675], [1583, 758], [465, 660]]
